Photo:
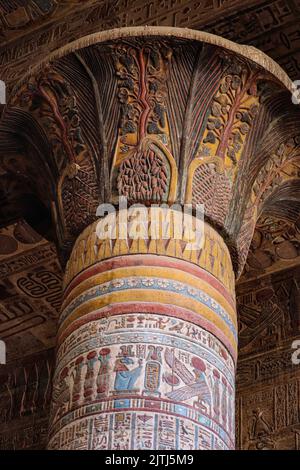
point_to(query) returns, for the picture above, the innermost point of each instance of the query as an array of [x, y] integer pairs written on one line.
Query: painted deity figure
[[89, 377], [195, 384], [126, 377], [103, 372], [77, 385]]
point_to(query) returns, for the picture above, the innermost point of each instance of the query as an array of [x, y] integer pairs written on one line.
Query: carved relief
[[208, 185], [268, 381], [148, 374], [146, 167], [30, 290], [233, 110], [25, 391], [149, 142], [52, 102], [144, 177]]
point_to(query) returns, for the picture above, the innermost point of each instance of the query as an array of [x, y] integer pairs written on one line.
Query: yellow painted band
[[89, 250], [152, 271]]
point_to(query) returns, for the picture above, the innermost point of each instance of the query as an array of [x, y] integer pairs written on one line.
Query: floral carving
[[143, 176], [142, 77], [233, 109]]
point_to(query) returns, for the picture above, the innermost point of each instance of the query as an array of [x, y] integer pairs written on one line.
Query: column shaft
[[146, 346]]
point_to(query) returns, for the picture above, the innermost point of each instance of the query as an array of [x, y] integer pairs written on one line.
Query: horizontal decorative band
[[136, 273], [156, 310], [138, 328], [145, 289], [213, 256], [151, 261], [135, 404]]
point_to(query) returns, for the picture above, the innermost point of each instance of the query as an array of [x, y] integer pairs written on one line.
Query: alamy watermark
[[296, 353], [2, 92], [155, 222], [2, 352], [296, 92]]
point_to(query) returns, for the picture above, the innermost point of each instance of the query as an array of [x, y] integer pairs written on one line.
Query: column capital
[[158, 115]]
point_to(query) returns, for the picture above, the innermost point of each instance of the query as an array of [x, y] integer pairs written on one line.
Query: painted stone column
[[147, 335], [147, 345]]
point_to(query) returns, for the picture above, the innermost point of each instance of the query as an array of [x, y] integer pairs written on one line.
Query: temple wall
[[25, 392], [268, 383]]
